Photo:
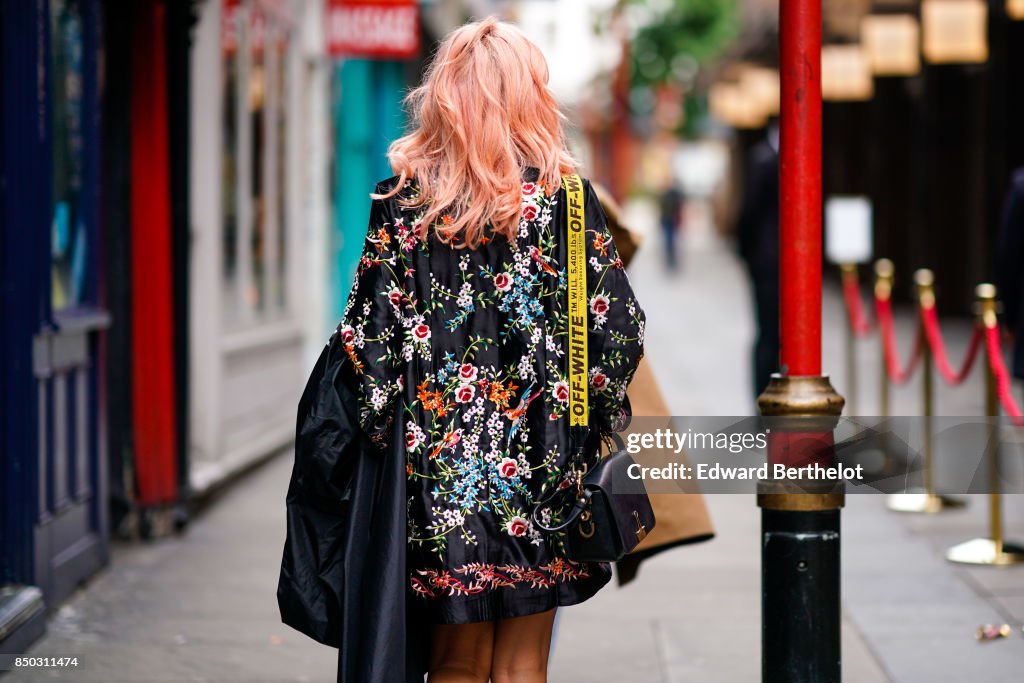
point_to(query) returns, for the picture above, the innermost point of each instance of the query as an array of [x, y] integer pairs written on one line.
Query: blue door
[[54, 532], [367, 116]]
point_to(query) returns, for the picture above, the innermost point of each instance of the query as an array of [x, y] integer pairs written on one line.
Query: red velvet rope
[[897, 374], [995, 361], [930, 319], [859, 322]]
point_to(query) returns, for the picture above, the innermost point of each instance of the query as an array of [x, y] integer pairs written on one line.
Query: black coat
[[1010, 267], [343, 574], [757, 227]]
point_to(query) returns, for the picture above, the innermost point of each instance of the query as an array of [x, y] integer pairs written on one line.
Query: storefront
[[53, 530], [251, 189]]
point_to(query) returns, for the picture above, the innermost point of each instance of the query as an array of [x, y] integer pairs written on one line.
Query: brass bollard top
[[925, 281], [986, 293], [883, 278], [986, 290]]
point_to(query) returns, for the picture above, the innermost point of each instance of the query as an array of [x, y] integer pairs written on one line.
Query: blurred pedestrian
[[757, 232], [682, 516], [671, 204], [453, 344], [1010, 268]]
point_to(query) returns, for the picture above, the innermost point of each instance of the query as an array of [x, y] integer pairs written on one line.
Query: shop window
[[68, 237], [256, 289], [282, 171], [255, 231], [230, 36]]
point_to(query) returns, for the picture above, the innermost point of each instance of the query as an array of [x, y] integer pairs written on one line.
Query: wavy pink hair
[[483, 113]]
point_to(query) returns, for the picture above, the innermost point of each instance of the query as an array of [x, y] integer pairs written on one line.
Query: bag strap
[[579, 403], [579, 407]]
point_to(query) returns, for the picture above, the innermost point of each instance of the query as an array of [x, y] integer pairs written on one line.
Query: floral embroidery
[[467, 349], [482, 576]]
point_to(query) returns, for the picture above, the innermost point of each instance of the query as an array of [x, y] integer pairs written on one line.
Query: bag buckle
[[641, 530]]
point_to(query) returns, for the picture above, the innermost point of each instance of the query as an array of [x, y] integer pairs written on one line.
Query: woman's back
[[467, 348]]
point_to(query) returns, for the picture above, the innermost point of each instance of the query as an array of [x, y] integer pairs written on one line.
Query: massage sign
[[374, 29]]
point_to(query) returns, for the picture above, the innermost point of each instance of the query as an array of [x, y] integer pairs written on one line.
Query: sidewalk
[[202, 608], [909, 616], [199, 608]]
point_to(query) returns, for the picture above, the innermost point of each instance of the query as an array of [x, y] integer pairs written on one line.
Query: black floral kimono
[[467, 348]]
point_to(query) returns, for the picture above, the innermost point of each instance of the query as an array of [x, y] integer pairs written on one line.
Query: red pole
[[800, 187], [800, 539]]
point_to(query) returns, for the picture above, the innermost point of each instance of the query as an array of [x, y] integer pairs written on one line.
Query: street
[[201, 607]]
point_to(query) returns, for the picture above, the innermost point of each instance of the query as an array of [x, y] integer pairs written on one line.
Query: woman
[[456, 326]]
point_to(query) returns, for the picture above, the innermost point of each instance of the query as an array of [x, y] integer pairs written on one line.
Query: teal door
[[367, 115]]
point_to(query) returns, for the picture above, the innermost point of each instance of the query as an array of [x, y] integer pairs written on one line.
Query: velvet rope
[[930, 320], [897, 374], [859, 322], [1002, 375]]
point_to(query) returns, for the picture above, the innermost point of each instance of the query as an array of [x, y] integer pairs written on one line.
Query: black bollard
[[800, 596], [800, 540]]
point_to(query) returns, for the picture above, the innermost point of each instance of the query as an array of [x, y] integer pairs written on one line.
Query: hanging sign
[[848, 229], [892, 44], [845, 74], [381, 29], [954, 31]]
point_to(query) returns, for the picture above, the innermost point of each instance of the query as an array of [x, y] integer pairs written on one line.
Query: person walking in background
[[757, 232], [1010, 268], [671, 205], [454, 342]]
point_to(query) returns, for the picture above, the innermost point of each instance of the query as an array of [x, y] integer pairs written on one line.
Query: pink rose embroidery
[[421, 332], [508, 467], [467, 373], [517, 526]]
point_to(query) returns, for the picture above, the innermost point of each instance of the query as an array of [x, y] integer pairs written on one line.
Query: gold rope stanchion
[[993, 550], [883, 291], [925, 500], [849, 273]]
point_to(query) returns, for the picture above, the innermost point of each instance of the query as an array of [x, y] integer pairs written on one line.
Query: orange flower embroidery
[[357, 365], [500, 394], [431, 400]]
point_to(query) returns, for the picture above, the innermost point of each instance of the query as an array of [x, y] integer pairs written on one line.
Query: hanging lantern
[[892, 44], [761, 85], [730, 104], [954, 31], [1015, 9], [845, 74]]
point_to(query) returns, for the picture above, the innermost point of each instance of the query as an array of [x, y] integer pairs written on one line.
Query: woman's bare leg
[[461, 653], [521, 647]]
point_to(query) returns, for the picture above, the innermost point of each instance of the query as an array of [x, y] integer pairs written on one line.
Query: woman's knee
[[521, 649], [462, 653]]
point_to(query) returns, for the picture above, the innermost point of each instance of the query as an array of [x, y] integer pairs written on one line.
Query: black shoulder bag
[[605, 512]]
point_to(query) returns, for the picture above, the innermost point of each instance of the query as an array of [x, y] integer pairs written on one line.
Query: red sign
[[373, 28]]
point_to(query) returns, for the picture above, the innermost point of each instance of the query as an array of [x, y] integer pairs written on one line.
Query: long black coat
[[343, 573]]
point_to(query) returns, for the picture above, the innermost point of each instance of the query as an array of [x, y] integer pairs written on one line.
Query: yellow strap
[[579, 409]]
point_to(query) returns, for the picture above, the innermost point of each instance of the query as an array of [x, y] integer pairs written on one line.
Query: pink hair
[[482, 115]]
